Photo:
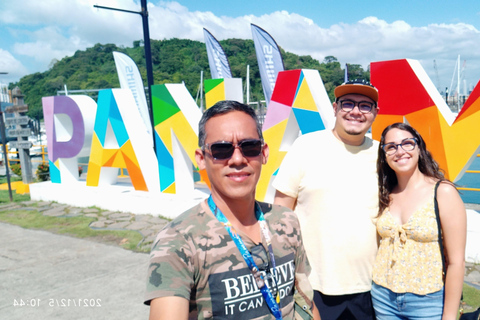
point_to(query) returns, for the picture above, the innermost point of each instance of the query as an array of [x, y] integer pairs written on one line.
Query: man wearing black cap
[[329, 178]]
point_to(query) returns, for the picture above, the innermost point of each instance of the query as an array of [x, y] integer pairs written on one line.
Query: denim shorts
[[389, 305]]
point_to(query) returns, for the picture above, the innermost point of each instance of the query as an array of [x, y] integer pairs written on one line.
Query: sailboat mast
[[458, 83]]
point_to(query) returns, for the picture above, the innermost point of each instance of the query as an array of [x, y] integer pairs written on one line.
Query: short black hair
[[223, 107]]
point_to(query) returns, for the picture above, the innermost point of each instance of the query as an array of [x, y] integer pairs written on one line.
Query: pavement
[[49, 276]]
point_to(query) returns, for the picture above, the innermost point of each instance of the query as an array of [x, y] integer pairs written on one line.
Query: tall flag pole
[[130, 78], [346, 73], [217, 59], [269, 58]]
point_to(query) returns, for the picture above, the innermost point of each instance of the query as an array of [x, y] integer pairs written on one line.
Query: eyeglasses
[[407, 144], [260, 257], [224, 150], [363, 106]]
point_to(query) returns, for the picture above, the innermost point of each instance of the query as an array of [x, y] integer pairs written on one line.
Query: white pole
[[248, 84], [458, 84], [201, 91]]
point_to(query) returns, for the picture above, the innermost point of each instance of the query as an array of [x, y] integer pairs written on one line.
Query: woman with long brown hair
[[410, 280]]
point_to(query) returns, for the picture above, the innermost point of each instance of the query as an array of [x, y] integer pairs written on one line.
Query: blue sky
[[34, 33], [417, 13]]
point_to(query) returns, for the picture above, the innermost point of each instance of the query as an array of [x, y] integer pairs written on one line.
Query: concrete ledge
[[120, 197], [124, 198], [472, 250]]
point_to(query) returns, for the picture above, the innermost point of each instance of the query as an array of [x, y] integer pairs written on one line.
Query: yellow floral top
[[409, 259]]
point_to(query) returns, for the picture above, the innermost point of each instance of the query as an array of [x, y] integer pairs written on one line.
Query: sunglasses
[[260, 257], [224, 150], [363, 106]]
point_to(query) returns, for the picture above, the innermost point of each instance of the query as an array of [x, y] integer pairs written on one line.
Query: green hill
[[174, 61]]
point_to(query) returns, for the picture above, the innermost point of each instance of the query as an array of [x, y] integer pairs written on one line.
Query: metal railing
[[43, 154]]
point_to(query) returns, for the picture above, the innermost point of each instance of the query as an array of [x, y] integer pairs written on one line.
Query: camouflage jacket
[[194, 257]]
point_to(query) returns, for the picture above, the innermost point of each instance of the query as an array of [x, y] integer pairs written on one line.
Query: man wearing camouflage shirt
[[229, 257]]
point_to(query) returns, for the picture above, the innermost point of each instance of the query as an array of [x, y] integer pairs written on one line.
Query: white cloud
[[370, 39], [60, 28], [12, 66], [49, 44]]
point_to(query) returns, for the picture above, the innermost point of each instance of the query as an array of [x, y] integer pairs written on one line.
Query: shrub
[[43, 172], [17, 169]]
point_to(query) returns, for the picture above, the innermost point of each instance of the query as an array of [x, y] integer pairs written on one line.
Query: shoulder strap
[[439, 225]]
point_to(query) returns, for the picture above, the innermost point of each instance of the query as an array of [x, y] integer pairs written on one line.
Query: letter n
[[176, 118]]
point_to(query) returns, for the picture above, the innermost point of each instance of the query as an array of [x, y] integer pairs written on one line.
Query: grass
[[73, 226], [3, 179], [4, 196], [471, 297]]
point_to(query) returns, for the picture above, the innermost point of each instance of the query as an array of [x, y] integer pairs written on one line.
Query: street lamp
[[148, 56]]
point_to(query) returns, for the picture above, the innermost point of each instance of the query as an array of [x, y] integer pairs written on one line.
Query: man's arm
[[316, 313], [167, 308], [284, 200]]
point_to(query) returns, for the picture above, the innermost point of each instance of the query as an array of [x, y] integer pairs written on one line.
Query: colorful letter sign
[[69, 126], [299, 104], [223, 89], [176, 118], [410, 96], [120, 140]]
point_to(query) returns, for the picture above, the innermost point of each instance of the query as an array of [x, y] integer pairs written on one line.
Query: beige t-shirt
[[337, 197]]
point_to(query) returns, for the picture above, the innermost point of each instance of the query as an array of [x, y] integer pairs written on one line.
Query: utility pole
[[148, 57]]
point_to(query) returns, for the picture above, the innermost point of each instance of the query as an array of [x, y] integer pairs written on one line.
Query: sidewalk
[[71, 278], [60, 277]]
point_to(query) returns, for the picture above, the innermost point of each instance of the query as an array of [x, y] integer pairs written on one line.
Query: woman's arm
[[454, 227]]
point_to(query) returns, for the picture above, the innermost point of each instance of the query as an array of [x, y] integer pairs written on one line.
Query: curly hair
[[387, 179]]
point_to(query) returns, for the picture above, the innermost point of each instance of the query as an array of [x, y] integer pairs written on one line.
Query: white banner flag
[[130, 78], [217, 59], [269, 58]]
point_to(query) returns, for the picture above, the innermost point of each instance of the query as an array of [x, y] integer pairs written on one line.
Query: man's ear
[[200, 158], [265, 153], [334, 108], [377, 110]]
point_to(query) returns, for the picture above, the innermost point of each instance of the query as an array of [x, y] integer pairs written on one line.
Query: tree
[[174, 61]]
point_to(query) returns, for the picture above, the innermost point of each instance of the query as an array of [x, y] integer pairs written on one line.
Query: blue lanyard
[[273, 304]]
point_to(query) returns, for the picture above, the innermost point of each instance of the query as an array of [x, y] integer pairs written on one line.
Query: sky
[[435, 32]]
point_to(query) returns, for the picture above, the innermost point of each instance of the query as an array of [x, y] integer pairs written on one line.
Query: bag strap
[[439, 226]]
